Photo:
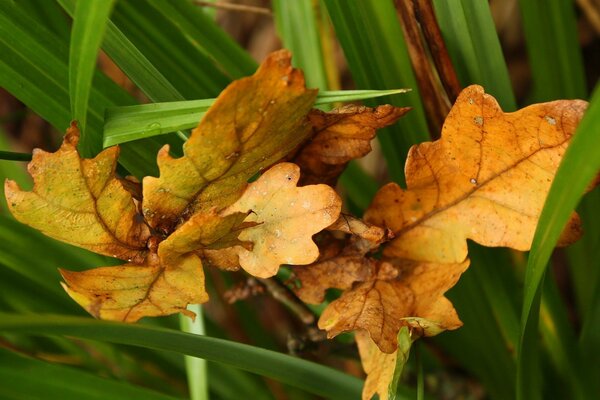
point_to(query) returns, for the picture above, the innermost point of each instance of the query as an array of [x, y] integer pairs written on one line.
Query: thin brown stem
[[437, 47], [436, 105], [284, 295]]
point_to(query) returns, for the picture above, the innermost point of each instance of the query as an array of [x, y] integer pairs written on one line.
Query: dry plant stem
[[281, 293], [437, 47], [234, 7], [591, 10], [436, 106]]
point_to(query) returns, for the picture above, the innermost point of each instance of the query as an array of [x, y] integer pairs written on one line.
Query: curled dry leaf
[[392, 297], [340, 136], [340, 269], [80, 201], [286, 217], [255, 122]]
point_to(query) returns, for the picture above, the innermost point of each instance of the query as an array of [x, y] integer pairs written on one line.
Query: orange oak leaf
[[132, 291], [486, 179], [255, 122], [80, 201], [286, 217], [339, 136]]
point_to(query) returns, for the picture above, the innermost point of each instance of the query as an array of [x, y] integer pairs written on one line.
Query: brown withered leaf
[[286, 217], [486, 179], [254, 122], [339, 136], [339, 272], [132, 291], [395, 295], [355, 226], [80, 201]]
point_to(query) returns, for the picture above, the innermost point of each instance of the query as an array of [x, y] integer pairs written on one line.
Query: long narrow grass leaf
[[550, 30], [125, 124], [195, 367], [89, 23], [580, 164], [297, 27], [24, 377], [13, 156], [300, 373], [371, 37]]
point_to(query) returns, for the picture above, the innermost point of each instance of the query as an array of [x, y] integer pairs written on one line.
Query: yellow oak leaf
[[255, 122], [286, 217], [81, 202], [132, 291], [383, 370], [378, 366], [339, 136]]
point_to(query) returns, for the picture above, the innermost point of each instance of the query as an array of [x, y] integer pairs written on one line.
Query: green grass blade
[[373, 43], [89, 23], [470, 36], [550, 29], [10, 170], [479, 345], [133, 63], [297, 28], [580, 164], [206, 36], [125, 124], [34, 68], [195, 367], [306, 375], [359, 185], [12, 156], [561, 344], [23, 377]]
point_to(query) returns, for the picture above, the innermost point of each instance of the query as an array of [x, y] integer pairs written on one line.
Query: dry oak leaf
[[286, 216], [343, 267], [80, 201], [255, 122], [168, 280], [378, 366], [486, 179], [132, 291], [339, 136], [405, 293], [383, 370]]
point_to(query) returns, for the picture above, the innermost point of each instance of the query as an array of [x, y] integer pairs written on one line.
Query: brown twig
[[437, 47], [436, 105], [284, 295], [234, 7], [591, 10]]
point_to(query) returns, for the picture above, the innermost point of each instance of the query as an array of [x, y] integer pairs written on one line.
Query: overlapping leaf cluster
[[485, 180]]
